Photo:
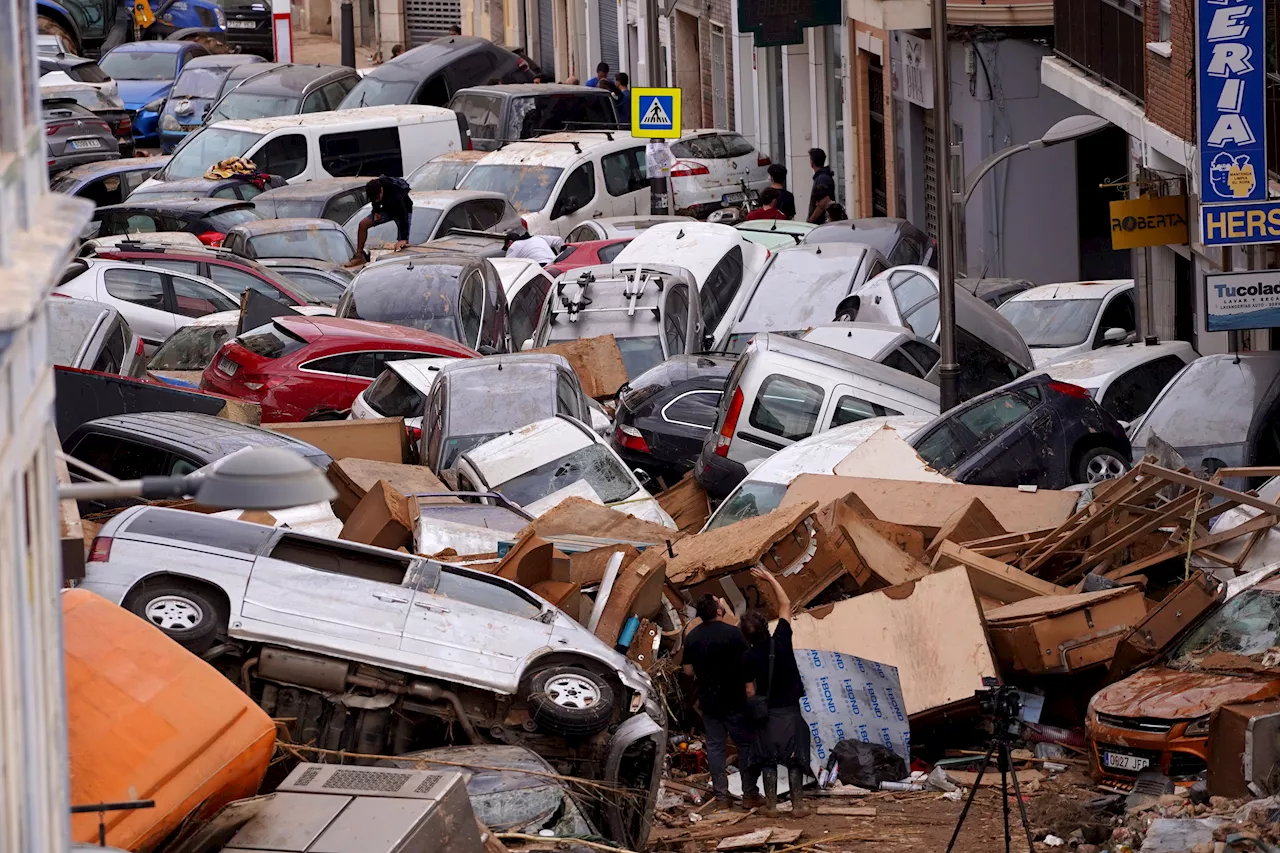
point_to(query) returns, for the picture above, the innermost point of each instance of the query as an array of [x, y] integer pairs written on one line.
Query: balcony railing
[[1105, 39]]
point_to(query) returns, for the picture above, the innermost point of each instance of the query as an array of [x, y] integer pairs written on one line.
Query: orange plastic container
[[148, 720]]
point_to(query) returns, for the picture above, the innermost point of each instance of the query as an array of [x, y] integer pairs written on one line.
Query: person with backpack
[[773, 682], [391, 203]]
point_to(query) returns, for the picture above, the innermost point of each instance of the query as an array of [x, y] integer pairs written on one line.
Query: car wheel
[[570, 700], [1100, 463], [186, 613], [50, 27], [213, 45], [847, 310]]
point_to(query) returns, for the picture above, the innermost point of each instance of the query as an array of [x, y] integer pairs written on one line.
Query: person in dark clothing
[[768, 208], [824, 186], [391, 203], [784, 739], [713, 654], [622, 100], [778, 181]]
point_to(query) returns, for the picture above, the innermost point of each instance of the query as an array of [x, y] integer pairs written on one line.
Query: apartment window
[[1166, 22], [719, 83]]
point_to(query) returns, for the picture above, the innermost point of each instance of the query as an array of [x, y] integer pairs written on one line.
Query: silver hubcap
[[1104, 468], [573, 691], [174, 613]]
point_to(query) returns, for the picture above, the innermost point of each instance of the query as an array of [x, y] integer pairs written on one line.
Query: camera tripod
[[1006, 707]]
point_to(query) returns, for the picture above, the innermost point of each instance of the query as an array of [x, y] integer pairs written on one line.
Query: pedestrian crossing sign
[[655, 113]]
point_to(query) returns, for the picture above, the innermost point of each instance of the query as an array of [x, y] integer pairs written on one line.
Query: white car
[[1063, 320], [444, 171], [539, 465], [561, 180], [892, 346], [618, 227], [156, 302], [762, 490], [719, 257], [1125, 380], [400, 392], [435, 213], [711, 169]]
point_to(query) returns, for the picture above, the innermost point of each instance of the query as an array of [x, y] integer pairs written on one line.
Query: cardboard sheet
[[382, 439]]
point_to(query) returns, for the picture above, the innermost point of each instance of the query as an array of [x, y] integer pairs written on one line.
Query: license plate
[[227, 366], [241, 25], [731, 198], [1118, 761], [85, 144]]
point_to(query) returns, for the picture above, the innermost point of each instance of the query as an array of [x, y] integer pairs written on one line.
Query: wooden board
[[686, 502], [966, 778], [597, 362], [580, 517], [881, 557], [971, 521], [735, 546], [931, 629], [992, 578]]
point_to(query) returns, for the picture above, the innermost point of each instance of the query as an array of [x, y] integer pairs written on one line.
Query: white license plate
[[731, 198], [241, 25], [85, 144], [227, 366], [1117, 761]]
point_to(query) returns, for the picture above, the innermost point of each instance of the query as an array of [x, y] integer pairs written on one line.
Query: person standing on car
[[713, 654], [770, 670], [778, 181], [824, 186], [390, 200], [768, 208]]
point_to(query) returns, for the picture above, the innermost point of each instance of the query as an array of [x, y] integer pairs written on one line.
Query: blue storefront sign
[[1231, 78]]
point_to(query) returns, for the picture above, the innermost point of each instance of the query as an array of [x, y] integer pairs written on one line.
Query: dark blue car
[[145, 72], [197, 88]]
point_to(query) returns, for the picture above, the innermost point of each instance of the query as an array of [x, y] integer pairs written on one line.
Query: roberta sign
[[1231, 98]]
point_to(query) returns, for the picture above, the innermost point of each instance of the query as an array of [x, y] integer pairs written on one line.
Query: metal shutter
[[609, 34], [428, 19], [546, 37], [930, 176]]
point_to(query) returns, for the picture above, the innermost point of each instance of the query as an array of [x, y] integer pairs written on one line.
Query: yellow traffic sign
[[655, 113]]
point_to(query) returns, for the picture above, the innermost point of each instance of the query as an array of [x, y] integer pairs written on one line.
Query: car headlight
[[220, 16], [1199, 727], [168, 122], [155, 106]]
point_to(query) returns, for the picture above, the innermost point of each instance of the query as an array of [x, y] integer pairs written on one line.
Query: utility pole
[[652, 43], [347, 22], [949, 370]]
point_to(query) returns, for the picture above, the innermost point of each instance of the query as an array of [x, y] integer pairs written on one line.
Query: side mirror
[[1114, 336], [527, 345], [485, 349], [642, 477]]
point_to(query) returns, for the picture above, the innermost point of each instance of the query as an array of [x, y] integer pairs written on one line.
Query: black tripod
[[1003, 704]]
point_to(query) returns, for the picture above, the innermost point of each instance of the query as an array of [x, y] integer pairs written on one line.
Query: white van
[[372, 141], [560, 180]]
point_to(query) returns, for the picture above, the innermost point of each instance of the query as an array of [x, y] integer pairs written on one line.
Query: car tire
[[213, 45], [50, 27], [847, 310], [1099, 464], [570, 700], [187, 613]]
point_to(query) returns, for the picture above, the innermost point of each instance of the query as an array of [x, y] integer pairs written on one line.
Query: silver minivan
[[783, 390]]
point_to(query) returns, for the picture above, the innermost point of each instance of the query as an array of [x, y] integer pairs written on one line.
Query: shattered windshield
[[1242, 636], [595, 464], [750, 500], [1052, 322]]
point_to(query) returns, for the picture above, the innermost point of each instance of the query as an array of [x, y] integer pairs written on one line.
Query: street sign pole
[[655, 115], [949, 369]]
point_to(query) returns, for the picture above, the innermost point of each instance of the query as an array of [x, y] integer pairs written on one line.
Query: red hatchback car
[[300, 368], [588, 253]]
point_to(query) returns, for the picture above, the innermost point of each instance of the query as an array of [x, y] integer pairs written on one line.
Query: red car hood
[[1170, 694]]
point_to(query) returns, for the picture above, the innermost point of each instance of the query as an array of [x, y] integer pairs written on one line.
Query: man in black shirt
[[778, 180], [391, 203], [824, 187], [713, 654]]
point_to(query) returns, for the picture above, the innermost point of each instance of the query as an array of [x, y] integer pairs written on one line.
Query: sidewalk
[[324, 50]]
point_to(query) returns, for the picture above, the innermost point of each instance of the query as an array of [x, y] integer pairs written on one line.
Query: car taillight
[[124, 127], [53, 127], [1071, 390], [524, 224], [730, 423], [522, 65], [415, 434], [100, 550], [139, 348], [686, 170], [211, 238], [763, 161], [631, 439]]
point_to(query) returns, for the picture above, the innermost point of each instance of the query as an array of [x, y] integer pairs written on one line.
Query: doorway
[[1102, 158]]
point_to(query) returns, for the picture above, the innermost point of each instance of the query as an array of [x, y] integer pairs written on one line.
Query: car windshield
[[246, 105], [428, 305], [444, 175], [1243, 635], [317, 244], [593, 463], [486, 403], [198, 83], [750, 500], [190, 348], [392, 397], [528, 187], [799, 289], [1052, 322], [375, 91], [224, 220], [87, 72], [205, 147], [422, 222], [315, 287], [91, 98], [1235, 387], [139, 65]]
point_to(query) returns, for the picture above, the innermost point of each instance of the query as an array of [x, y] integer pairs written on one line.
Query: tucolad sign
[[1231, 98], [1242, 300]]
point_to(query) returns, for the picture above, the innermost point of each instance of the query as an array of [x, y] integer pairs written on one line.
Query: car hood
[[1171, 694], [1042, 356], [138, 93], [188, 111]]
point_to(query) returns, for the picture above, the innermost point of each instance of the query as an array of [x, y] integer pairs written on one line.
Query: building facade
[[37, 233]]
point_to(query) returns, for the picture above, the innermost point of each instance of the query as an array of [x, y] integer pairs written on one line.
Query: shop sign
[[778, 22], [1242, 300], [1149, 221], [914, 77]]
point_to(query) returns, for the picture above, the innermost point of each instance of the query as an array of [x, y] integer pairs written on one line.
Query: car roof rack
[[635, 280]]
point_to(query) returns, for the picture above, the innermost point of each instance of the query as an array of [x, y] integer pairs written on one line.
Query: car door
[[190, 297], [139, 295], [626, 181], [328, 594], [849, 404], [576, 199], [473, 628], [1015, 440], [526, 309]]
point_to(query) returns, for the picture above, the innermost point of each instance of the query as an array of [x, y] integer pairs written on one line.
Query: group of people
[[619, 88], [777, 202], [749, 690]]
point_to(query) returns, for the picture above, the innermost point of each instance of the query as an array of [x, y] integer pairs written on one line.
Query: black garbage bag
[[868, 764]]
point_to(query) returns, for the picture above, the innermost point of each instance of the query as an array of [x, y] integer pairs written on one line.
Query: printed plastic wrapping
[[848, 698]]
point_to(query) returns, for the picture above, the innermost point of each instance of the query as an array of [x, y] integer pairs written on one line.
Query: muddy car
[[380, 652], [1221, 646]]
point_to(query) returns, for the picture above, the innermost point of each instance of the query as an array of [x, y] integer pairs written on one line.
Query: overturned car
[[375, 652]]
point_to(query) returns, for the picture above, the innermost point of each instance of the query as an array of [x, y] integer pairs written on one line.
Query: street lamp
[[1069, 129], [254, 478]]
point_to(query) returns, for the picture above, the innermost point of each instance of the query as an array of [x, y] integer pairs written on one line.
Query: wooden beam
[[1211, 488], [1253, 525]]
